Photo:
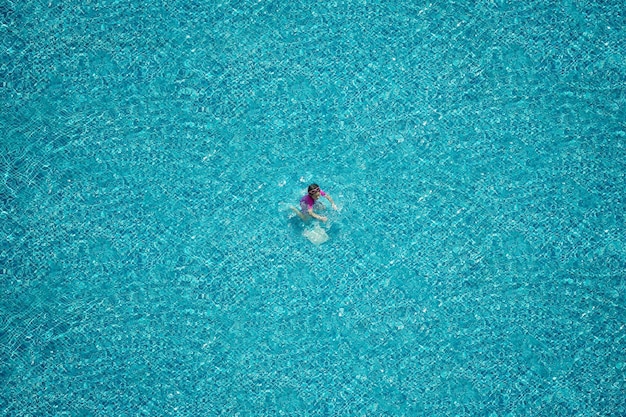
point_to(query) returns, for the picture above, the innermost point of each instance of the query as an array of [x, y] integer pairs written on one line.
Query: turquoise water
[[477, 262]]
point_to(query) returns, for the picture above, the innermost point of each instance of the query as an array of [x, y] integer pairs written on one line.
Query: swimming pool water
[[476, 264]]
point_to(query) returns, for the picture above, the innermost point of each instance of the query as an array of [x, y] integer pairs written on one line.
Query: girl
[[308, 201]]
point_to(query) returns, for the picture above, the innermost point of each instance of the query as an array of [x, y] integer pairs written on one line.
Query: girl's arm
[[329, 198], [317, 216]]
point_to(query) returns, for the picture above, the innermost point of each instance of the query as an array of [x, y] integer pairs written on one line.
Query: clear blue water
[[477, 153]]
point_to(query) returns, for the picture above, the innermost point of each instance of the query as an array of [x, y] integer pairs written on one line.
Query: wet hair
[[313, 187]]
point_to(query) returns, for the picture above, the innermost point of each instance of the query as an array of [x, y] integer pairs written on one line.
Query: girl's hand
[[334, 206], [324, 219]]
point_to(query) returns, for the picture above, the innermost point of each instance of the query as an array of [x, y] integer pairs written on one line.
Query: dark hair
[[313, 187]]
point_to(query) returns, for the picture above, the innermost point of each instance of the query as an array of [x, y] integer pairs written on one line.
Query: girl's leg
[[299, 213]]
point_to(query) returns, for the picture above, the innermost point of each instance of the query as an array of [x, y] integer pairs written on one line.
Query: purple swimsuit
[[307, 202]]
